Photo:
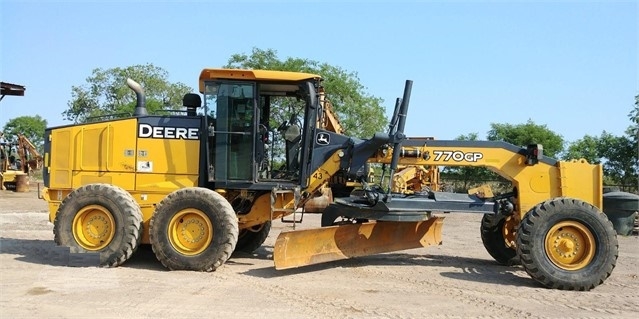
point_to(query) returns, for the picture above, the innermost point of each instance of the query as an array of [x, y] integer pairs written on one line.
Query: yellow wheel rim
[[190, 232], [93, 227], [570, 245], [508, 231]]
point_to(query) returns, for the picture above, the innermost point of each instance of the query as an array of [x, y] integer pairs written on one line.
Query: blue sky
[[570, 65]]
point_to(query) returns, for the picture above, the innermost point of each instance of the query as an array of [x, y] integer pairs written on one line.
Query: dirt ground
[[455, 280]]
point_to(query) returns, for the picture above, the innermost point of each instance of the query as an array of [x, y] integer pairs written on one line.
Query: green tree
[[528, 133], [619, 158], [588, 148], [30, 126], [617, 154], [360, 113], [633, 129], [633, 133], [105, 92]]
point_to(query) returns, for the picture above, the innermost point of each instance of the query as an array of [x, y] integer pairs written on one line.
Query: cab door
[[234, 132]]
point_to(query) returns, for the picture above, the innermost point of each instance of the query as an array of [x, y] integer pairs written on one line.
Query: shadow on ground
[[472, 269], [46, 252]]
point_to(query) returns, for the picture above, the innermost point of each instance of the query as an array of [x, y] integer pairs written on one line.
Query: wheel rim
[[190, 232], [93, 227], [570, 245], [508, 231]]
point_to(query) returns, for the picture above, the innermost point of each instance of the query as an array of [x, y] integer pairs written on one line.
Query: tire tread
[[536, 222], [161, 245], [132, 218]]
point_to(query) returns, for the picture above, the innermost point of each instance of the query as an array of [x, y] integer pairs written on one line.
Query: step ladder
[[275, 193]]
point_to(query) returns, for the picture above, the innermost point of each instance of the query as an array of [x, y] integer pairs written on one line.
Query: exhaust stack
[[140, 106]]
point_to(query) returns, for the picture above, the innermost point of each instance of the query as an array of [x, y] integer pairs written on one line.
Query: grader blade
[[313, 246]]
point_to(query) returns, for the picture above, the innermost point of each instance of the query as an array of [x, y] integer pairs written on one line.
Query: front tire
[[567, 244], [252, 238], [193, 229], [494, 231], [99, 218]]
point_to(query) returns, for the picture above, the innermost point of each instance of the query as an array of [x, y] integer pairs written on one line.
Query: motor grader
[[199, 185]]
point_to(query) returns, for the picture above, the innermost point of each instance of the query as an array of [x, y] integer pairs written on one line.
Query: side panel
[[583, 181], [60, 158], [168, 153], [92, 153], [164, 183], [104, 153]]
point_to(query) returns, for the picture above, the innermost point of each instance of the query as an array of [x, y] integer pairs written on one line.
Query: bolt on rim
[[570, 245], [93, 227], [190, 232]]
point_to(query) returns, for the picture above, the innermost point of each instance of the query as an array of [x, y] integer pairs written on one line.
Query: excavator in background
[[29, 154], [10, 165], [17, 157], [198, 187]]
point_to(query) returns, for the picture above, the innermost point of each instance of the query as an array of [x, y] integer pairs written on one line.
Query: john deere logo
[[323, 139], [184, 133]]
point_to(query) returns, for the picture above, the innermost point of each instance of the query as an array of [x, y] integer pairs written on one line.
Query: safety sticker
[[145, 166]]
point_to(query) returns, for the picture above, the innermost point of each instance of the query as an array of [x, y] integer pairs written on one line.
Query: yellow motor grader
[[200, 185]]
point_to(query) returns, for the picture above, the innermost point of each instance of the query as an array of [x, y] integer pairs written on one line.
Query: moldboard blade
[[313, 246]]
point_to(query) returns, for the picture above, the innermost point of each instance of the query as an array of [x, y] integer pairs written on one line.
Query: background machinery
[[411, 179], [17, 157], [199, 186]]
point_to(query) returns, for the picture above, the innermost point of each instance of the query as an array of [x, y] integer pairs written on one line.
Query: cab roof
[[257, 75]]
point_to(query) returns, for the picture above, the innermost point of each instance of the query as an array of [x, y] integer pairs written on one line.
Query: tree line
[[105, 95]]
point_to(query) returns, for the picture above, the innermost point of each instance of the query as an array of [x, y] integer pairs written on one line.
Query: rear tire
[[252, 238], [193, 229], [567, 244], [99, 218], [492, 236]]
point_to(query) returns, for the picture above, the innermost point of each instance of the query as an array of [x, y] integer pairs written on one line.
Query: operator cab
[[255, 126]]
